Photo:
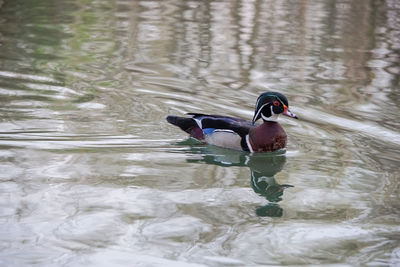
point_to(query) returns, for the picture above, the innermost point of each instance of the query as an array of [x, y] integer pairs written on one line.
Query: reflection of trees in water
[[235, 43], [266, 41]]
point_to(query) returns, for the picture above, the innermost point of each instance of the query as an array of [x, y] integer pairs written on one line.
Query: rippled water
[[92, 174]]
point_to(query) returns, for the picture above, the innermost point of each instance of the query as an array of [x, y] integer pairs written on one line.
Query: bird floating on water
[[240, 134]]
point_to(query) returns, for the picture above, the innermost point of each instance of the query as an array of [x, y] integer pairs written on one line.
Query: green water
[[91, 174]]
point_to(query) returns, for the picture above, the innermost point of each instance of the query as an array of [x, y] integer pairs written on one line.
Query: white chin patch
[[272, 118]]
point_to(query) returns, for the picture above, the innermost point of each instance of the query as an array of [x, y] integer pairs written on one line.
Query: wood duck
[[240, 134]]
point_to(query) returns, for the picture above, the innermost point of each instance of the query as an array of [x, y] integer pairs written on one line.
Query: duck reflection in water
[[263, 168]]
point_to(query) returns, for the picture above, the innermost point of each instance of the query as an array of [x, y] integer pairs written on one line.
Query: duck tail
[[186, 124]]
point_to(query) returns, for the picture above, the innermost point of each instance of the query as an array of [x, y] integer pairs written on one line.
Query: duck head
[[270, 105]]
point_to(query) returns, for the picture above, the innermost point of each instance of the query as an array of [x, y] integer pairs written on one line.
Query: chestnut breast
[[267, 137]]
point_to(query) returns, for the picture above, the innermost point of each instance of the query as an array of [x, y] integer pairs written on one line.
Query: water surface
[[92, 174]]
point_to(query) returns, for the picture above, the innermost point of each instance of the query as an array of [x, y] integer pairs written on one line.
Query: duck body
[[269, 136], [233, 133], [238, 133]]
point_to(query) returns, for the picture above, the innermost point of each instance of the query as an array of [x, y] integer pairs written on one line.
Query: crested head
[[270, 105]]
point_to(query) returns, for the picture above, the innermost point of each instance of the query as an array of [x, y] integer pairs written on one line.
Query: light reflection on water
[[92, 174]]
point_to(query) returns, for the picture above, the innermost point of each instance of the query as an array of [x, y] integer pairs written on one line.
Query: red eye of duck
[[276, 103]]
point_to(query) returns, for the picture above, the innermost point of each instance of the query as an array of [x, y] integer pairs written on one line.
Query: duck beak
[[288, 113]]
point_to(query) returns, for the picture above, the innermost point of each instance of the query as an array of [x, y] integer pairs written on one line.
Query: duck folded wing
[[237, 125]]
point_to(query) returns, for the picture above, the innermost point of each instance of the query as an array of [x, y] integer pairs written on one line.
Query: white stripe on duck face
[[273, 117], [259, 110], [224, 138]]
